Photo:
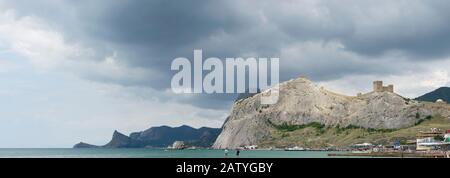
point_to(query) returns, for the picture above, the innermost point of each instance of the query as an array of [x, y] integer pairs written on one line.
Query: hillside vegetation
[[316, 135]]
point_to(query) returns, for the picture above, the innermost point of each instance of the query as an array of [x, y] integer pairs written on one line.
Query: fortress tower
[[378, 87]]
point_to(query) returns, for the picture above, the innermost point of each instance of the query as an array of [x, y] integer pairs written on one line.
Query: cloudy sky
[[75, 71]]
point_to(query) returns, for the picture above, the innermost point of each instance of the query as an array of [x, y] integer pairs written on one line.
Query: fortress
[[378, 87]]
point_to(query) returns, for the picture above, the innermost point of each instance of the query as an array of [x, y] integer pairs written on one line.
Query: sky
[[74, 71]]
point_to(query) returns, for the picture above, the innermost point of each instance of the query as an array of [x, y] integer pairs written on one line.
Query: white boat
[[296, 148], [251, 147]]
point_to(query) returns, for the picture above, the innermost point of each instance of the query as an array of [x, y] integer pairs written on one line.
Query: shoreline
[[395, 154]]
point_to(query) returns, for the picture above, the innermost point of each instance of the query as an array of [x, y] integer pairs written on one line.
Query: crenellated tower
[[378, 87]]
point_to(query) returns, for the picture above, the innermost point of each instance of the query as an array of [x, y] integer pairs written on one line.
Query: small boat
[[296, 148]]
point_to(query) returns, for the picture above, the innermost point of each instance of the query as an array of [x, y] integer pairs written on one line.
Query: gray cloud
[[324, 40]]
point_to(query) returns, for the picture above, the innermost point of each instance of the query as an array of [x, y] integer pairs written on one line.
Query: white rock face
[[301, 102]]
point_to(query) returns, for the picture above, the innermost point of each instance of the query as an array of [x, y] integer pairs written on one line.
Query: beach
[[154, 153]]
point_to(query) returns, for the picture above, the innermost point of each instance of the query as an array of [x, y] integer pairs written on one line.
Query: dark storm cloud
[[420, 30], [164, 24], [150, 34]]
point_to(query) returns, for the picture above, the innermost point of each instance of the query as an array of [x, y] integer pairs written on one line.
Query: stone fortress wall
[[378, 87]]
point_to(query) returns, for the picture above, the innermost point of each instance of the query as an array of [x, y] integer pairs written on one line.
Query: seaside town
[[433, 143]]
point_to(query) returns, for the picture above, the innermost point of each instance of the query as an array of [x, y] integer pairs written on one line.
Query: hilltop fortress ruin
[[302, 102], [378, 87]]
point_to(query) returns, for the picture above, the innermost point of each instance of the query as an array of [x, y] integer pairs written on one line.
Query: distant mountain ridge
[[440, 93], [160, 137]]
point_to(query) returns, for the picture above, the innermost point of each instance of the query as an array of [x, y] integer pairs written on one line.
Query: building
[[426, 139], [441, 101], [363, 146], [378, 87]]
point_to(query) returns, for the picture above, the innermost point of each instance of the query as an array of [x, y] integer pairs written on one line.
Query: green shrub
[[285, 127], [439, 138], [420, 121], [283, 135]]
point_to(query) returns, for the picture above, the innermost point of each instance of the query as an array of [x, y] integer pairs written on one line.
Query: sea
[[153, 153]]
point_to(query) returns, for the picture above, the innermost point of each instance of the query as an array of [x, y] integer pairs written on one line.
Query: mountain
[[441, 93], [161, 137], [301, 103], [247, 94], [84, 145], [120, 140], [164, 136]]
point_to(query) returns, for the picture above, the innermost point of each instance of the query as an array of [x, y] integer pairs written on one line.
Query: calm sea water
[[151, 153]]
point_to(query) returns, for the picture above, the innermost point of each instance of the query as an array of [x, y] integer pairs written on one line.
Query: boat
[[251, 147], [296, 148]]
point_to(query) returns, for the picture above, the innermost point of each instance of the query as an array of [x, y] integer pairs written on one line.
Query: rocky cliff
[[160, 137], [302, 102]]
